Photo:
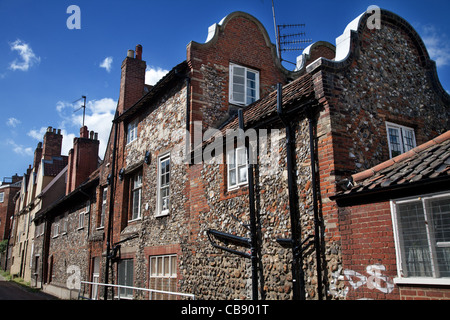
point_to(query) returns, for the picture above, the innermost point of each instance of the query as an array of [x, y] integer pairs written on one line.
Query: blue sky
[[45, 66]]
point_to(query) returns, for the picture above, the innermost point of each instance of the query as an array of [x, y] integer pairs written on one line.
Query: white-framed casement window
[[400, 139], [55, 227], [237, 167], [81, 215], [163, 185], [163, 276], [422, 234], [132, 130], [101, 223], [65, 222], [125, 278], [136, 196], [2, 197], [244, 85]]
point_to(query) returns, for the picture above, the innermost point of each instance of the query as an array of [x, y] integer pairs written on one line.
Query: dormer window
[[244, 85]]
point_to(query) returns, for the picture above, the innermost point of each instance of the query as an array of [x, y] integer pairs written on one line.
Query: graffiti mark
[[374, 280]]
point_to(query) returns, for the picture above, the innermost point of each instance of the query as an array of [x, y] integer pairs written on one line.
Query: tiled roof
[[429, 161], [300, 89]]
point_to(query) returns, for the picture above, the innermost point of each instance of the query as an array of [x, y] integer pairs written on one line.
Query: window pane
[[409, 140], [242, 174], [232, 177], [241, 157], [251, 76], [440, 209], [153, 266], [413, 236], [166, 266], [173, 266], [394, 138]]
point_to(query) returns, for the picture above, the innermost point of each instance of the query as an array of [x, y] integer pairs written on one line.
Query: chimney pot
[[130, 54]]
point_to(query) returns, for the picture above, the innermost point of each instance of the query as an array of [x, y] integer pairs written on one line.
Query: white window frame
[[103, 209], [160, 211], [136, 188], [55, 227], [65, 221], [233, 98], [232, 158], [132, 131], [402, 130], [81, 215], [2, 197], [402, 277], [161, 274]]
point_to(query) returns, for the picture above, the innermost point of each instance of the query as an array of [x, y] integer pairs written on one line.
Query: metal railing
[[80, 296]]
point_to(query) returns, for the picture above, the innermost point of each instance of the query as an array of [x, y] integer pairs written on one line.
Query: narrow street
[[10, 290]]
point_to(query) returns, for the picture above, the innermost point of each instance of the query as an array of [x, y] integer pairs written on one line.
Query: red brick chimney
[[132, 81], [83, 158], [37, 155], [52, 143]]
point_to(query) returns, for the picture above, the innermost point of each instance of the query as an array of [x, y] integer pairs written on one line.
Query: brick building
[[394, 224], [67, 229], [48, 164], [8, 190], [180, 203]]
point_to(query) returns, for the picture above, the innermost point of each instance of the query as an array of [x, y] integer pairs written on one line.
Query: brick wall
[[368, 252]]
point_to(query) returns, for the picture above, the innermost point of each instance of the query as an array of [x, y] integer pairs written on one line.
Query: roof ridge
[[402, 157]]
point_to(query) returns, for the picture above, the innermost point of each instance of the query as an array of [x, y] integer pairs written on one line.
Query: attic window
[[244, 85], [401, 139]]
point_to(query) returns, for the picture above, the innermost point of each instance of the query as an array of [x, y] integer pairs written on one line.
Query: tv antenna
[[83, 106], [289, 41]]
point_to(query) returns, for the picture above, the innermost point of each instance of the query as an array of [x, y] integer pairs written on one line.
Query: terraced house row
[[339, 191]]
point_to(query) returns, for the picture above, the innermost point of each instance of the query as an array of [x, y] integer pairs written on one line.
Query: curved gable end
[[238, 41], [395, 39]]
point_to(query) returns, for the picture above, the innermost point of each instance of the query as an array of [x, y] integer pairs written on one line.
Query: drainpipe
[[316, 211], [298, 285], [188, 120], [251, 194], [111, 212]]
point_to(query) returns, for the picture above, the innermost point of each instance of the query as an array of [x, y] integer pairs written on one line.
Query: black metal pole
[[111, 213], [316, 212], [298, 286], [253, 236]]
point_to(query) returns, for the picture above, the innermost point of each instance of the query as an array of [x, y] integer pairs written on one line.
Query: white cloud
[[19, 149], [26, 54], [12, 122], [37, 134], [438, 45], [153, 75], [107, 63]]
